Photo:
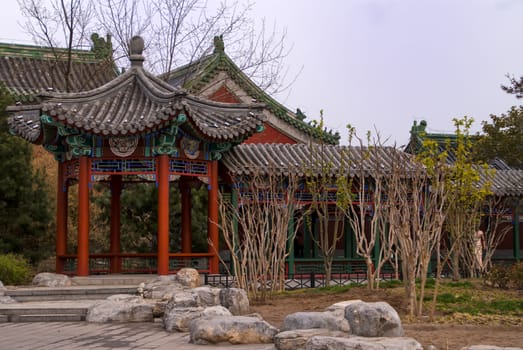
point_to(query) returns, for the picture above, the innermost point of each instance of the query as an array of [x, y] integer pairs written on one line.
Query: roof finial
[[136, 45], [219, 46]]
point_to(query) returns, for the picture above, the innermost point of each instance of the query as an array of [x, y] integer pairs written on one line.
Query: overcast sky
[[386, 63]]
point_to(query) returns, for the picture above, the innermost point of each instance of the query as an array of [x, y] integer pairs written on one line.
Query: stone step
[[100, 280], [47, 318], [64, 311], [26, 294]]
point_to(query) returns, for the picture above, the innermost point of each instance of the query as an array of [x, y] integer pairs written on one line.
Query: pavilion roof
[[136, 102]]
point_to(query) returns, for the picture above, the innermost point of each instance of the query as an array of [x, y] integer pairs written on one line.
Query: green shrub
[[505, 276], [498, 276], [14, 269]]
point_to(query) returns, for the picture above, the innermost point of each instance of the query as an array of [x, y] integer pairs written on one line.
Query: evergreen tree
[[503, 138], [24, 204]]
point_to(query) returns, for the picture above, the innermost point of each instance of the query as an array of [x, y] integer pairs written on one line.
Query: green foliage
[[503, 138], [139, 218], [14, 269], [24, 204], [505, 276]]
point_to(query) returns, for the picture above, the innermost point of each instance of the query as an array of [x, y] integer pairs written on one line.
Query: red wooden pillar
[[61, 218], [163, 214], [83, 217], [116, 191], [185, 189], [212, 225]]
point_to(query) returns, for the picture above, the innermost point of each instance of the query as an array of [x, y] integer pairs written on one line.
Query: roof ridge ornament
[[219, 46], [136, 45]]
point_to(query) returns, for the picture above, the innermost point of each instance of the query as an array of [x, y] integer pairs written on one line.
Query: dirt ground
[[442, 334]]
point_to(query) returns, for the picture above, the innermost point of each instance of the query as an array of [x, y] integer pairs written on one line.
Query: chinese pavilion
[[135, 125]]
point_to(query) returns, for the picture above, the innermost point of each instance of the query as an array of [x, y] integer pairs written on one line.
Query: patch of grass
[[391, 284], [451, 298], [460, 284]]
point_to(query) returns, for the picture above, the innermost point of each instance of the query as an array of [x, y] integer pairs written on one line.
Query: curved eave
[[25, 123], [223, 122]]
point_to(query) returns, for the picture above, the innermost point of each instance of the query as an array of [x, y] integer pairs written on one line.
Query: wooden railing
[[136, 263]]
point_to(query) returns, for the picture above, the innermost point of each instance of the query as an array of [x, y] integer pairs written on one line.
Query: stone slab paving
[[95, 336]]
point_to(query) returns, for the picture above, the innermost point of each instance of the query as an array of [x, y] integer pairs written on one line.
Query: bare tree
[[255, 227], [123, 19], [322, 170], [416, 202], [495, 232], [176, 32], [55, 23], [362, 201]]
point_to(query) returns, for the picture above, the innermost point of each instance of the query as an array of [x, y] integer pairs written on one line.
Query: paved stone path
[[95, 336]]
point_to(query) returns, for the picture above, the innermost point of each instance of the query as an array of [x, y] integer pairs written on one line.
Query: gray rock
[[7, 300], [48, 279], [296, 339], [332, 320], [121, 308], [179, 319], [232, 329], [361, 343], [183, 299], [377, 319], [488, 347], [188, 277], [2, 289], [236, 300], [342, 305], [164, 287], [207, 296]]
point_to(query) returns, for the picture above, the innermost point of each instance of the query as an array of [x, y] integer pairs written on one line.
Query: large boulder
[[377, 319], [232, 329], [236, 300], [488, 347], [179, 319], [332, 320], [164, 287], [48, 279], [296, 339], [340, 306], [360, 343], [188, 277], [207, 296], [121, 308]]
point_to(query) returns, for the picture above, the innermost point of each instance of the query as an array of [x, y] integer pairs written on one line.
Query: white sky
[[386, 63]]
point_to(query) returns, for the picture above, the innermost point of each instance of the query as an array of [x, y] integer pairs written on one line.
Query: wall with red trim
[[270, 135], [223, 95]]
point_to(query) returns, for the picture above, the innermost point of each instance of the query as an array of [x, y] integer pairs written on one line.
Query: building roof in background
[[28, 70], [195, 75], [506, 181], [311, 160]]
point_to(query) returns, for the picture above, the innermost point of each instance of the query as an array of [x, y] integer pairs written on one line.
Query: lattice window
[[185, 167], [120, 166]]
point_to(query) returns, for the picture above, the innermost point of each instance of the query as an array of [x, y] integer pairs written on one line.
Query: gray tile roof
[[507, 183], [28, 70], [137, 102], [303, 159]]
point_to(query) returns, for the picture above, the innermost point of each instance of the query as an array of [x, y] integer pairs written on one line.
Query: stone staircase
[[66, 304]]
